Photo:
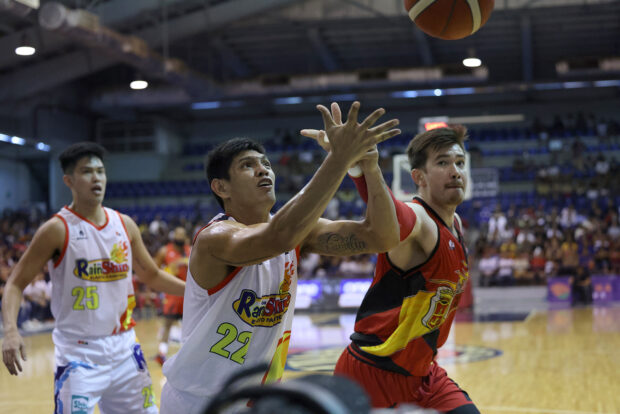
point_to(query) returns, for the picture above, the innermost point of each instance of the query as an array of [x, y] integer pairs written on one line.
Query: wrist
[[355, 171]]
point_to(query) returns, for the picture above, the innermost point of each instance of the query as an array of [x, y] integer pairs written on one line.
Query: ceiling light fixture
[[25, 47], [138, 83]]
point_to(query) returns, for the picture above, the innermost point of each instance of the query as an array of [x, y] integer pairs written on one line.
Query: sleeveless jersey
[[244, 320], [406, 315], [92, 291]]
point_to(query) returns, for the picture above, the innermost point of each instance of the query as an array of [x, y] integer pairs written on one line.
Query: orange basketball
[[449, 19]]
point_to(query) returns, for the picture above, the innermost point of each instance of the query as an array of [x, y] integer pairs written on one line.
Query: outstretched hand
[[351, 139]]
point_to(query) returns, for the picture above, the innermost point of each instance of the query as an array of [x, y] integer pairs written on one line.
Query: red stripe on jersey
[[224, 282], [66, 243], [107, 219]]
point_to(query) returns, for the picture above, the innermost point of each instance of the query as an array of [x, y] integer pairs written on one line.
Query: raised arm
[[405, 216], [238, 245], [47, 243], [377, 233], [146, 268]]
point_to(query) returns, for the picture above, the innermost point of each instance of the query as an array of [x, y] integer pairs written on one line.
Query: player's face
[[88, 179], [445, 175], [252, 179]]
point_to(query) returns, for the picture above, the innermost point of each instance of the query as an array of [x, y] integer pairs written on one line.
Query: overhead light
[[472, 62], [438, 92], [25, 47], [25, 50], [18, 141], [289, 100], [41, 146], [139, 84], [404, 94], [206, 105]]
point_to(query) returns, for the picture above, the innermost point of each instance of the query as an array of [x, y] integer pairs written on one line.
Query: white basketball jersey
[[92, 291], [244, 320]]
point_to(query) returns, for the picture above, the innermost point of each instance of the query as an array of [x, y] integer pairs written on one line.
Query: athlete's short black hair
[[220, 158], [70, 156]]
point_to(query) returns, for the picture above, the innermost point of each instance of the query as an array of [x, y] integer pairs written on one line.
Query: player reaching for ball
[[242, 275], [409, 308]]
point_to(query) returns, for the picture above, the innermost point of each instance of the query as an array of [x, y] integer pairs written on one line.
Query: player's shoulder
[[217, 229], [53, 230], [54, 224], [416, 207], [420, 212]]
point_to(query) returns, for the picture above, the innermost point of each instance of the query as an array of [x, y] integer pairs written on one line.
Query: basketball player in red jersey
[[173, 258], [407, 313]]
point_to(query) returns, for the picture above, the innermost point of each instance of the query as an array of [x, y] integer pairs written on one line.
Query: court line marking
[[532, 313], [538, 410]]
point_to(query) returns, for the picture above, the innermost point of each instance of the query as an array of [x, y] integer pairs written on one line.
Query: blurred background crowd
[[563, 221]]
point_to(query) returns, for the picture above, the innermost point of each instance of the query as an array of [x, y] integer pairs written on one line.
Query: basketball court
[[560, 361]]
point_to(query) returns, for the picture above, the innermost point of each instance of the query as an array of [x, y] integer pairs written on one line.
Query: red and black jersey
[[406, 315]]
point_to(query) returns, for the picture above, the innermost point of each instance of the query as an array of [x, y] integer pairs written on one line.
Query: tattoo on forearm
[[338, 243]]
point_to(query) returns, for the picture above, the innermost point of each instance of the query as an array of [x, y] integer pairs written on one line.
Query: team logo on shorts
[[138, 357], [79, 404], [105, 270]]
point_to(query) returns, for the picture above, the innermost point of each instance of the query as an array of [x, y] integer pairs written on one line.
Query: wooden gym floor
[[550, 362]]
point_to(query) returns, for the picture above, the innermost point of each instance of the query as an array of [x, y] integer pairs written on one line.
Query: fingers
[[310, 133], [22, 350], [387, 135], [372, 118], [10, 360], [18, 364], [353, 112], [322, 138], [385, 126], [327, 117], [336, 113]]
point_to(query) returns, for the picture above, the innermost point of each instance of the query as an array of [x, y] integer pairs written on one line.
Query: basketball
[[449, 19]]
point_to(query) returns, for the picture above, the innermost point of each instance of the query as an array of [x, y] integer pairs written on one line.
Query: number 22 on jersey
[[231, 334]]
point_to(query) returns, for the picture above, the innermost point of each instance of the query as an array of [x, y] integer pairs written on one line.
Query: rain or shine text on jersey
[[406, 315], [105, 270], [244, 320], [267, 310], [92, 293]]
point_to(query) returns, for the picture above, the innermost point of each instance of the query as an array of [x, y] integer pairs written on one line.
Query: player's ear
[[418, 177], [220, 187], [67, 179]]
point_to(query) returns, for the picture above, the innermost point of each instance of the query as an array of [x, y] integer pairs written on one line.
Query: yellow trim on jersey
[[276, 367], [419, 315]]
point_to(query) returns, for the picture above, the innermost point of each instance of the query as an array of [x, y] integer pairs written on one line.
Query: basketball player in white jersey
[[242, 276], [91, 251]]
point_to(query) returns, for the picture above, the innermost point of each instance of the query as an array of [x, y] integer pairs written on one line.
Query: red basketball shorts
[[389, 389]]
